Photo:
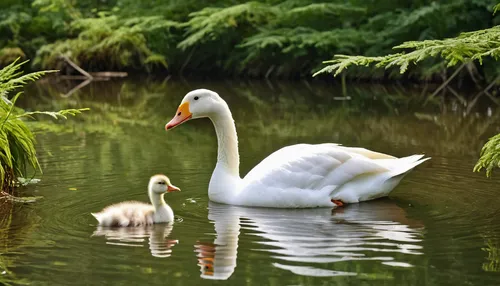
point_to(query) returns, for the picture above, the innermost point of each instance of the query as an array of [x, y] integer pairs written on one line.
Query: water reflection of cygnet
[[159, 244], [376, 231]]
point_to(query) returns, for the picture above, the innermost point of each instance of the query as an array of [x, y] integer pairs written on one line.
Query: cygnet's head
[[160, 184], [198, 103]]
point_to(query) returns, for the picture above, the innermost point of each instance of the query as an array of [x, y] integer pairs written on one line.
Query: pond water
[[440, 226]]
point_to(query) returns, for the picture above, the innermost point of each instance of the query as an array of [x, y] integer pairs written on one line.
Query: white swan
[[297, 176], [133, 213]]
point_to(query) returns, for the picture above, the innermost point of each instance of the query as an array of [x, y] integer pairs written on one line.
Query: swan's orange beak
[[173, 188], [183, 114]]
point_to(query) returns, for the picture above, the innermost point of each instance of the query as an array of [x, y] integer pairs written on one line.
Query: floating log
[[80, 77], [109, 74], [87, 77], [90, 75], [76, 67]]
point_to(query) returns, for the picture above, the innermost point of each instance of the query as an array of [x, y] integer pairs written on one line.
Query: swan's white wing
[[366, 153], [312, 167]]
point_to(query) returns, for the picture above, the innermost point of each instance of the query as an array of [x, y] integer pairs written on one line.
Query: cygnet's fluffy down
[[134, 213]]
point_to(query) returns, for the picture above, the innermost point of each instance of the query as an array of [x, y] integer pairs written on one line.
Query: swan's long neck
[[225, 246], [227, 139]]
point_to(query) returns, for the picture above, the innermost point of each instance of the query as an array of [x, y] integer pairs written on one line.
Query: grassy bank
[[273, 38]]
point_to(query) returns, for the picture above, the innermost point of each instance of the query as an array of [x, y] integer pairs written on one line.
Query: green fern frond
[[468, 46], [295, 42], [17, 142], [490, 156], [11, 78], [305, 11], [156, 59], [342, 62], [209, 24], [54, 114], [316, 11], [57, 6]]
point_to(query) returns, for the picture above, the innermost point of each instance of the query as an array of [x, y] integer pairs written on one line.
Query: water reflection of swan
[[217, 260], [377, 231], [159, 244]]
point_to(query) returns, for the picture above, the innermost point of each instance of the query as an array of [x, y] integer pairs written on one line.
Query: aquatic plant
[[493, 259], [17, 143]]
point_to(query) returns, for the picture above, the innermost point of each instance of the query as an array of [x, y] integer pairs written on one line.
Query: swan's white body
[[307, 175], [134, 213], [297, 176]]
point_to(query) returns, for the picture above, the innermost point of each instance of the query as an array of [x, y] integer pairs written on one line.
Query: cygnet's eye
[[196, 98], [161, 183]]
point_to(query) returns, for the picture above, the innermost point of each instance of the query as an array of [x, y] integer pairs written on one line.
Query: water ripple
[[156, 235], [378, 231]]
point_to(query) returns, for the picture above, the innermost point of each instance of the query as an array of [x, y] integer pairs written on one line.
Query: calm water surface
[[440, 226]]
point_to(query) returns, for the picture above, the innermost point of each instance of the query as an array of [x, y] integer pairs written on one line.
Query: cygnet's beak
[[183, 114], [172, 188]]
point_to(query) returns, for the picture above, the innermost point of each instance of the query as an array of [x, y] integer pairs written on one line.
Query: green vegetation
[[105, 42], [267, 38], [466, 48], [490, 156], [475, 45], [17, 143]]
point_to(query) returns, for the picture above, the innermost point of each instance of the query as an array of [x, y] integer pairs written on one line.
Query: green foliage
[[11, 78], [281, 38], [17, 143], [466, 47], [490, 156], [106, 42], [299, 44], [9, 55], [210, 24], [493, 258], [61, 12], [211, 34]]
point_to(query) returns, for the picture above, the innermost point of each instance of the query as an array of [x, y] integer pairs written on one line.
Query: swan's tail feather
[[377, 185], [402, 165]]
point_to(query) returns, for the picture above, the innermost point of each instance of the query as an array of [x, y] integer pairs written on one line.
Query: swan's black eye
[[196, 98], [179, 114], [161, 183]]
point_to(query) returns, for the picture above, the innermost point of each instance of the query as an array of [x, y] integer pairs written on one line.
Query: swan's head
[[198, 103], [160, 184]]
